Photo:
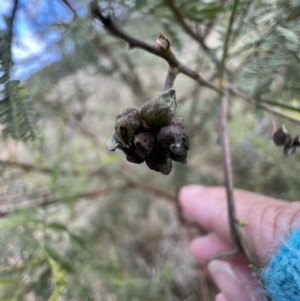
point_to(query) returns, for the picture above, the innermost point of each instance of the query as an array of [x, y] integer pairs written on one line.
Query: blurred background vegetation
[[78, 222]]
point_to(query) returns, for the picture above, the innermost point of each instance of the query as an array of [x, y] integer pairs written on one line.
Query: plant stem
[[170, 78], [134, 42], [226, 43], [10, 32], [226, 155], [238, 235], [228, 177]]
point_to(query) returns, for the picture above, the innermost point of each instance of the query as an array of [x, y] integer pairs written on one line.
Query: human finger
[[220, 297], [269, 220], [233, 277]]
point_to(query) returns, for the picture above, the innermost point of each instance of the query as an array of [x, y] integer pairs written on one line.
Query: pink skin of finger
[[269, 221], [220, 297]]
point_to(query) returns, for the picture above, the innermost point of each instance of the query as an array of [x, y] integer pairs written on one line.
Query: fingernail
[[216, 267], [226, 280]]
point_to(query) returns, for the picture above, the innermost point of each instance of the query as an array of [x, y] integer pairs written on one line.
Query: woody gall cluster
[[281, 137], [152, 134]]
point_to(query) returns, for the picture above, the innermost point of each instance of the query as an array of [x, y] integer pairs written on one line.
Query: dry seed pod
[[113, 143], [296, 140], [289, 149], [281, 136], [159, 111], [144, 144], [173, 138], [134, 158], [178, 158], [160, 162], [131, 155], [178, 121], [128, 122]]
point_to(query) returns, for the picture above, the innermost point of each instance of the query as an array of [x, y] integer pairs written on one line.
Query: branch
[[47, 201], [242, 20], [189, 31], [133, 81], [281, 105], [46, 170], [226, 43], [240, 240], [50, 200], [227, 167], [77, 126], [67, 3], [156, 49], [279, 113], [226, 155], [73, 124], [262, 105], [10, 24], [183, 24], [170, 78], [94, 173], [238, 235]]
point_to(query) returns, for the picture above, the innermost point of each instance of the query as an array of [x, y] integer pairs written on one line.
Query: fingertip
[[206, 206], [205, 247], [227, 281], [189, 192], [195, 247], [220, 297]]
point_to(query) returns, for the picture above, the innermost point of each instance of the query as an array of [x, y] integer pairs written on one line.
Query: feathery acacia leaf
[[14, 107]]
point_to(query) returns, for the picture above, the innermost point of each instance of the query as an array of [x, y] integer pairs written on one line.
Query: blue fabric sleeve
[[282, 276]]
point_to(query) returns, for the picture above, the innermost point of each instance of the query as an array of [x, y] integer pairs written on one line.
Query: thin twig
[[133, 80], [170, 78], [226, 42], [184, 25], [242, 20], [67, 3], [279, 113], [46, 170], [71, 122], [133, 42], [238, 235], [50, 200], [261, 104], [10, 31], [193, 109], [189, 31], [47, 200], [227, 167], [273, 123], [281, 105]]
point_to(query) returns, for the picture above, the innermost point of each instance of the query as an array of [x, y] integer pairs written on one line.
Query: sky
[[33, 46]]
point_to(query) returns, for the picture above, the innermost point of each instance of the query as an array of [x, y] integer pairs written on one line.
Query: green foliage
[[14, 104], [80, 223], [272, 67]]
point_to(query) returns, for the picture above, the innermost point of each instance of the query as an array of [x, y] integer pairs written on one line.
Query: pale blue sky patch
[[36, 38]]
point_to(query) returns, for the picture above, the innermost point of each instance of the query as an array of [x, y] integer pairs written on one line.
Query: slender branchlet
[[239, 238], [170, 78], [134, 42]]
